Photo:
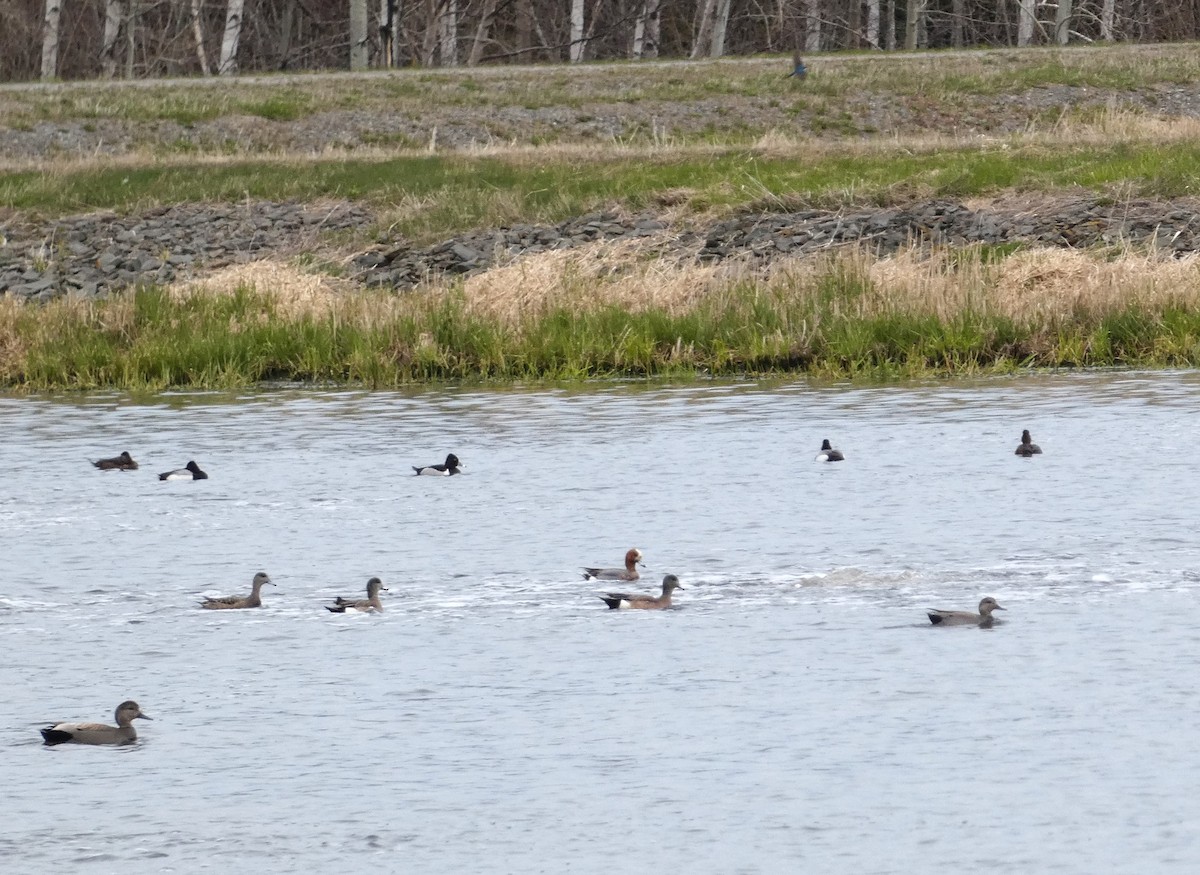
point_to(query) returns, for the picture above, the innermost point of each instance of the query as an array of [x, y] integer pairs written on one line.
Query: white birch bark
[[114, 12], [359, 52], [720, 24], [50, 38], [482, 32], [812, 25], [1024, 22], [1062, 22], [1107, 13], [653, 29], [912, 23], [576, 51], [230, 39], [889, 40], [448, 34], [873, 23], [704, 35], [198, 36]]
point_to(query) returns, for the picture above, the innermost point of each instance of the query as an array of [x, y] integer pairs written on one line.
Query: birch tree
[[114, 12], [912, 23], [50, 38], [958, 15], [812, 25], [873, 23], [1062, 22], [1107, 13], [482, 32], [708, 12], [646, 31], [1024, 22], [198, 37], [448, 34], [229, 40], [359, 53], [720, 25], [576, 50]]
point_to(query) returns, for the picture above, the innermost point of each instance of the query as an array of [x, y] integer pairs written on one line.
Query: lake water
[[795, 712]]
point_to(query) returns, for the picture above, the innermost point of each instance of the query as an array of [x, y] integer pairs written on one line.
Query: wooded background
[[77, 39]]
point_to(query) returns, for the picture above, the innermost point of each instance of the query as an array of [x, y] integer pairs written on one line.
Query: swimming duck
[[123, 462], [240, 601], [190, 471], [633, 558], [450, 466], [1027, 447], [828, 453], [620, 600], [361, 606], [966, 618], [98, 733]]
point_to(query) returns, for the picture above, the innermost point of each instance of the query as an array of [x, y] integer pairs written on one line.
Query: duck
[[1028, 447], [633, 558], [828, 453], [966, 618], [228, 602], [123, 462], [190, 471], [362, 606], [98, 733], [621, 600], [450, 466]]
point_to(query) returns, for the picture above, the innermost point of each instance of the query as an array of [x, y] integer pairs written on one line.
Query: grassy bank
[[566, 316]]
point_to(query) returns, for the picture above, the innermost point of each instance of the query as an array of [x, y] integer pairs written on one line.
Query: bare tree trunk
[[233, 33], [720, 24], [524, 26], [482, 32], [429, 38], [131, 37], [1107, 12], [387, 24], [854, 36], [653, 37], [958, 15], [1024, 22], [912, 23], [359, 52], [704, 35], [873, 23], [812, 25], [50, 38], [198, 36], [1062, 22], [114, 12], [890, 26], [448, 34]]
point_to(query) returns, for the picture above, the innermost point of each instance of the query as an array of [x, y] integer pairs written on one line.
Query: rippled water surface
[[794, 712]]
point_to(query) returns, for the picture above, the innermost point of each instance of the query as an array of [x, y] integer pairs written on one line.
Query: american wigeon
[[623, 600], [1027, 447], [361, 606], [966, 618], [98, 733], [123, 462], [190, 471], [450, 466], [254, 600], [828, 453], [633, 558]]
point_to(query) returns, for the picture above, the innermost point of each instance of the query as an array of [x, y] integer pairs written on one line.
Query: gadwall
[[450, 466], [966, 618], [361, 606], [98, 733], [254, 600], [644, 602], [1027, 447], [633, 558], [123, 462], [828, 453], [190, 471]]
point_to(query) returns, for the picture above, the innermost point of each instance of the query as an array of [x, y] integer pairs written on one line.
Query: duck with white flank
[[371, 604], [450, 466], [633, 558], [123, 462], [98, 733], [1028, 447], [828, 453], [254, 600], [624, 601], [966, 618], [190, 471]]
